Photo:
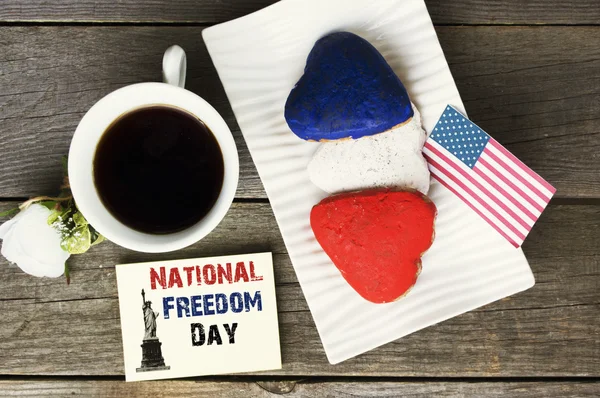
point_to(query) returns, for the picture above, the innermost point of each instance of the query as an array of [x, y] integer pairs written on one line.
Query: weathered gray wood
[[534, 89], [308, 389], [247, 228], [49, 78], [211, 11], [536, 92], [552, 329]]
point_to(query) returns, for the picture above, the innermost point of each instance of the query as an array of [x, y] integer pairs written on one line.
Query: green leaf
[[53, 217], [65, 165], [9, 212], [96, 237], [67, 274], [98, 240], [59, 218], [77, 241], [79, 219], [49, 204]]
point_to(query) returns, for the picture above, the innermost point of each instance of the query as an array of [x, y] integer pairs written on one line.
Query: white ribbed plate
[[259, 59]]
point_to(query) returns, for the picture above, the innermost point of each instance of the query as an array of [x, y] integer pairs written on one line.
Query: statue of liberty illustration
[[152, 358]]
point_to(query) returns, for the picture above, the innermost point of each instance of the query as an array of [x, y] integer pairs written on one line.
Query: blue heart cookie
[[347, 91]]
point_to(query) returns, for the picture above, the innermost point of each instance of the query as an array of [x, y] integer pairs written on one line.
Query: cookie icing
[[348, 90], [390, 159]]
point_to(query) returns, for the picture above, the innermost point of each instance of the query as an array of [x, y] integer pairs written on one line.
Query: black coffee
[[158, 169]]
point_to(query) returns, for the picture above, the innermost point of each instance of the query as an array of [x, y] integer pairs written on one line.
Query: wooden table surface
[[528, 72]]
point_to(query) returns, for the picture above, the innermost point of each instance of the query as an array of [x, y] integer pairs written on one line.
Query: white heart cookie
[[389, 159]]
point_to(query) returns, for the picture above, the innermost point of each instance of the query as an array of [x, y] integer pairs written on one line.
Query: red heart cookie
[[376, 239]]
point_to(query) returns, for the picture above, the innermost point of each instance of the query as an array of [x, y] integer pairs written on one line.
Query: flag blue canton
[[459, 136]]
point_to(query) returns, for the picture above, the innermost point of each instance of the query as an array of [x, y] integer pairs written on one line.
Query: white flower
[[32, 244]]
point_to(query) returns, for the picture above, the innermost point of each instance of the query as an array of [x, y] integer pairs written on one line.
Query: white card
[[202, 316]]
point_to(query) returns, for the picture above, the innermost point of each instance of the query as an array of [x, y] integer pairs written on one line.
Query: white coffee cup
[[108, 109]]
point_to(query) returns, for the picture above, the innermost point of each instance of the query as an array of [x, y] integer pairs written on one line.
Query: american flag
[[506, 193]]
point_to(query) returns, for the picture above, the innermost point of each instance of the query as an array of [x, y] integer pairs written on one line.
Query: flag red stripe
[[523, 166], [512, 185], [485, 191], [516, 175], [512, 242], [475, 196], [493, 183]]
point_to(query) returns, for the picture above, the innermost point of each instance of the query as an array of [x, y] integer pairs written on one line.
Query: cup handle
[[174, 66]]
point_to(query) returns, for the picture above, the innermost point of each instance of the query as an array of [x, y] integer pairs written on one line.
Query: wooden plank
[[534, 89], [552, 329], [214, 11], [346, 389], [51, 76], [247, 228]]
